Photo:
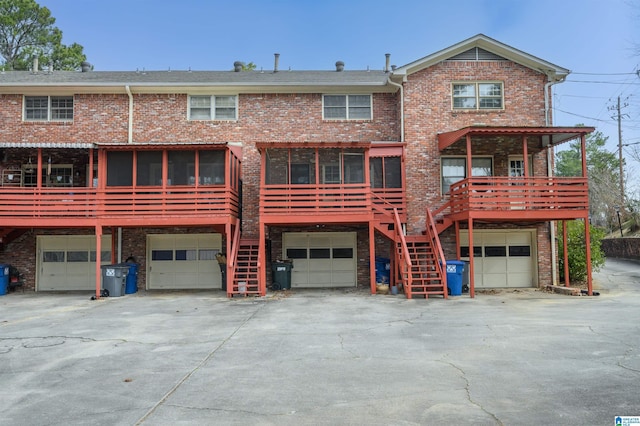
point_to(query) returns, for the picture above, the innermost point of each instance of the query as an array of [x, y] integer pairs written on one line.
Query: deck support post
[[262, 267], [587, 239], [565, 253], [472, 281], [372, 258], [98, 266]]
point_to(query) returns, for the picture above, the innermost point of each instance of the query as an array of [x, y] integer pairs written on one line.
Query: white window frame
[[458, 157], [347, 108], [476, 95], [50, 108], [213, 108]]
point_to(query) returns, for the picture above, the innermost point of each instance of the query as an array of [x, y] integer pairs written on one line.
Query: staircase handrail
[[440, 209], [235, 247], [441, 262], [405, 250]]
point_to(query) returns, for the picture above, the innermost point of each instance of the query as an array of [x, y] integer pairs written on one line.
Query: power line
[[604, 73]]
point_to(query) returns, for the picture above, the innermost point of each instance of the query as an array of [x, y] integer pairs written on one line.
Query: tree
[[27, 31], [603, 170]]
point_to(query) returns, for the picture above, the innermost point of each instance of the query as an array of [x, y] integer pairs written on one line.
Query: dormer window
[[478, 95], [48, 108]]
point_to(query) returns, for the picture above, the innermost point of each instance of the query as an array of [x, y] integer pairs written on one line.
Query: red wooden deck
[[81, 206], [519, 199]]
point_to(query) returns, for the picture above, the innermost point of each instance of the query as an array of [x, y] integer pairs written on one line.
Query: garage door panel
[[67, 262], [330, 262], [493, 266], [508, 258], [184, 261], [494, 280]]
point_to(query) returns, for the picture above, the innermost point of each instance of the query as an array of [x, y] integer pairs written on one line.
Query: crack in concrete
[[355, 356], [468, 392], [197, 367], [59, 340]]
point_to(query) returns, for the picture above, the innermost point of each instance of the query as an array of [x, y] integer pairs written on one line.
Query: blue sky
[[593, 38]]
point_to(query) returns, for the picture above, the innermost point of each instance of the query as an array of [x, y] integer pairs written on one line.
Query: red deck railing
[[118, 202], [542, 197], [318, 199]]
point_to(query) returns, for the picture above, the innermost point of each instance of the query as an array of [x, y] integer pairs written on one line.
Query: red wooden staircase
[[427, 278], [244, 279]]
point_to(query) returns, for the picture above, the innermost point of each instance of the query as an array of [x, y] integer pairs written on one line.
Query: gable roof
[[490, 45]]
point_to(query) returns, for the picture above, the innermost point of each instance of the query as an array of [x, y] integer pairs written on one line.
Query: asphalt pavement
[[323, 357]]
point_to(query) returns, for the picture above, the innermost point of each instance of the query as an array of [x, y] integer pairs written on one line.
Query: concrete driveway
[[323, 357]]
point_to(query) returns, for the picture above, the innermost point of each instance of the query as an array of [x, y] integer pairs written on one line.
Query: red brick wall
[[428, 112], [97, 118]]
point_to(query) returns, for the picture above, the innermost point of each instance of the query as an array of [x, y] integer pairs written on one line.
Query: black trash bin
[[222, 262], [281, 275]]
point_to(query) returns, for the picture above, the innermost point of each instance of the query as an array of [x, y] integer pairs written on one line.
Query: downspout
[[399, 86], [129, 140], [552, 224], [130, 135]]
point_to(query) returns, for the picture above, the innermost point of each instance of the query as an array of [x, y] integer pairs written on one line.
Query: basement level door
[[502, 259], [321, 259], [183, 261], [68, 262]]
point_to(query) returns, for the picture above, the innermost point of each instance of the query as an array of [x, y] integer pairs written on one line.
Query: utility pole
[[618, 116]]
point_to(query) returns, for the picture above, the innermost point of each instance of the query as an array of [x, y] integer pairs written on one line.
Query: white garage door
[[68, 262], [502, 258], [321, 259], [183, 261]]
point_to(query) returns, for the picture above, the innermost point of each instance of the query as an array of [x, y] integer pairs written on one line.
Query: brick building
[[328, 170]]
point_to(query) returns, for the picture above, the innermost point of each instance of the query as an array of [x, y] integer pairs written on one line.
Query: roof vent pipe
[[237, 66], [85, 66], [35, 64], [275, 64], [386, 65], [339, 66]]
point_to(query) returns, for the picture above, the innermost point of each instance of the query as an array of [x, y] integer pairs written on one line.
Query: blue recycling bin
[[4, 278], [131, 285], [383, 270], [455, 268]]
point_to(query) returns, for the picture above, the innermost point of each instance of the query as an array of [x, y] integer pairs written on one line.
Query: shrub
[[576, 249]]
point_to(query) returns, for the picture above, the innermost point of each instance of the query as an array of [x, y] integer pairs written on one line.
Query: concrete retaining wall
[[624, 248]]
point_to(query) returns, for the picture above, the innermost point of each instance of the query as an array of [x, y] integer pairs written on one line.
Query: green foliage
[[27, 31], [603, 171], [576, 250]]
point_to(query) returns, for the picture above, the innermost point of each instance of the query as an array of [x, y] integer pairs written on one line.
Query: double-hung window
[[48, 108], [213, 107], [454, 169], [346, 107], [478, 95]]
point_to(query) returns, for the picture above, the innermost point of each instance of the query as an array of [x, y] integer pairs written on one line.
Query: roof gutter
[[130, 134], [399, 86]]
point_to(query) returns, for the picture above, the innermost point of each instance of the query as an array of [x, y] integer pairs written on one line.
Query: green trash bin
[[281, 275]]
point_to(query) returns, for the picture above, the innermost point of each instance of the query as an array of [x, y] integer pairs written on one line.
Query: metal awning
[[286, 145], [57, 145], [157, 145], [549, 135]]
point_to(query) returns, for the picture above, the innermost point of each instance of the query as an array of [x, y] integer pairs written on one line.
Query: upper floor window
[[478, 95], [213, 107], [48, 108], [346, 107], [454, 169], [386, 172]]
